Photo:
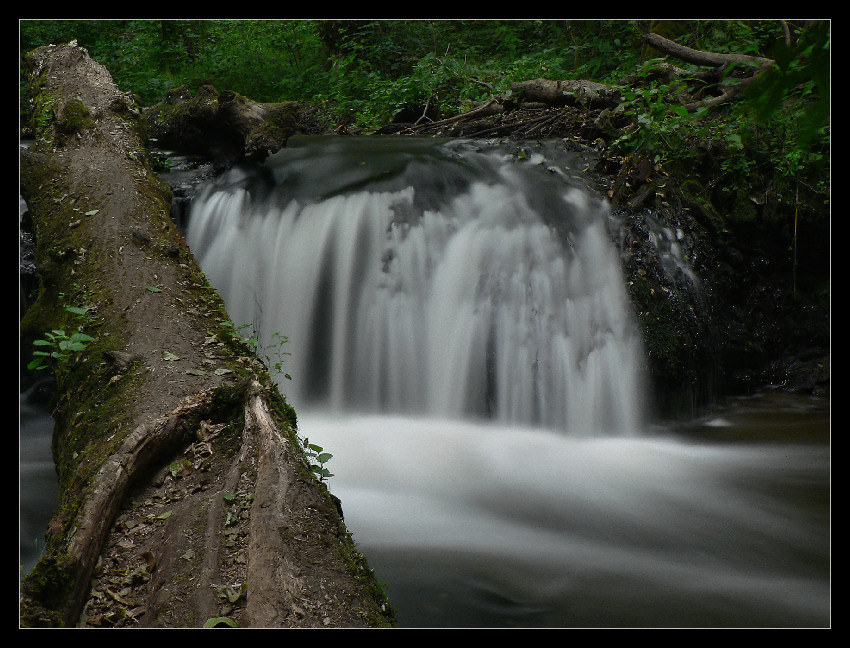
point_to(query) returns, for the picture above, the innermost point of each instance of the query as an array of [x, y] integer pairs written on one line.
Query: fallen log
[[185, 496], [226, 127], [718, 61], [700, 57], [570, 92]]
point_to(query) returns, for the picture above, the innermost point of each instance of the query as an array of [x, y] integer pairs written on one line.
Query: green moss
[[41, 108], [665, 323], [693, 194], [384, 613], [48, 583], [228, 406], [282, 119], [75, 118]]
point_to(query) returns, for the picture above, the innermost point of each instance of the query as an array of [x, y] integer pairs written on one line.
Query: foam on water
[[441, 289]]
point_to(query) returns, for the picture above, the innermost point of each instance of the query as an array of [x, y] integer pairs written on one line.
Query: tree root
[[140, 450]]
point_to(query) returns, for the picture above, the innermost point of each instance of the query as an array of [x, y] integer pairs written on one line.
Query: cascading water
[[435, 279], [461, 342]]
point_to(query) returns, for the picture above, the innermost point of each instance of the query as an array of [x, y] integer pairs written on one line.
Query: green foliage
[[776, 137], [272, 355], [316, 459], [251, 341], [365, 72], [798, 84], [662, 125], [377, 68], [58, 350]]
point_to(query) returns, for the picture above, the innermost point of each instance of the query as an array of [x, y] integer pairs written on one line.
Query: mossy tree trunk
[[184, 491], [227, 127]]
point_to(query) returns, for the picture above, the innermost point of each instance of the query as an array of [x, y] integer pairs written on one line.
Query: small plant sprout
[[251, 341], [272, 355], [317, 458]]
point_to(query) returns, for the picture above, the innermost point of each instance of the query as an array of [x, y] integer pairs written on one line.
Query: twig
[[471, 113], [424, 112]]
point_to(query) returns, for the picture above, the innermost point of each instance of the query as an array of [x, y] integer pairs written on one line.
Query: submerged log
[[185, 496]]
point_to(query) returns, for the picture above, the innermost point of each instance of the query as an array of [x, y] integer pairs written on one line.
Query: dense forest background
[[363, 73], [764, 157]]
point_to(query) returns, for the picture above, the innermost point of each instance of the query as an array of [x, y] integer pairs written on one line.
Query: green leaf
[[154, 289], [92, 212], [164, 516], [168, 356], [215, 622]]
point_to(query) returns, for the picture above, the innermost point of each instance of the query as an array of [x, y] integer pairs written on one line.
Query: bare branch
[[698, 57], [466, 115]]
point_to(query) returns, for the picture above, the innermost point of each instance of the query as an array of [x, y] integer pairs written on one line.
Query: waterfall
[[428, 277]]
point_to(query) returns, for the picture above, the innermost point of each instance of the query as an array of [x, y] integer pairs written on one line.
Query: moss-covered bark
[[152, 417], [226, 127]]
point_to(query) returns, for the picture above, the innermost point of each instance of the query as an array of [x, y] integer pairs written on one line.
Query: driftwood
[[184, 492]]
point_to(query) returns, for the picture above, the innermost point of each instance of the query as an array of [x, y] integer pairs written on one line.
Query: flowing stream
[[462, 342]]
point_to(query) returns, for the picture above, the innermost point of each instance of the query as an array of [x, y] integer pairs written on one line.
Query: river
[[462, 344]]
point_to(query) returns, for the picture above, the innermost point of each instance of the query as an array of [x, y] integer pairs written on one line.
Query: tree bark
[[718, 61], [225, 126], [568, 93], [184, 492], [593, 95], [699, 57]]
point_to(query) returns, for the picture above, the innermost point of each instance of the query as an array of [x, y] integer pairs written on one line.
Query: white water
[[461, 342], [407, 297], [475, 525]]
